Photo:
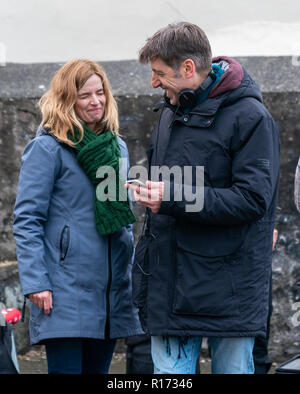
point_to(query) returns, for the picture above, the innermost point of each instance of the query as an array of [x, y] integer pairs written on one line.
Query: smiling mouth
[[94, 110]]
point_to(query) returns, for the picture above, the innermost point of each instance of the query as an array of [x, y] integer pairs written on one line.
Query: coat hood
[[235, 83]]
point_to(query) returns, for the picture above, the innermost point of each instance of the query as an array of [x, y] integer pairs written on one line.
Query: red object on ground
[[11, 315]]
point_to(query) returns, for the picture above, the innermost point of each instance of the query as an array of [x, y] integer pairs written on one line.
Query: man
[[209, 268]]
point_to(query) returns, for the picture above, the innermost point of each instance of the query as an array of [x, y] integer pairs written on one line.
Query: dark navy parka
[[209, 270]]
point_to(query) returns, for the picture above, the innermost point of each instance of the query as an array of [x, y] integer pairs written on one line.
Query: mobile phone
[[136, 182]]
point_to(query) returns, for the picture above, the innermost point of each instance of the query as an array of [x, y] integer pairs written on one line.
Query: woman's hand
[[43, 299]]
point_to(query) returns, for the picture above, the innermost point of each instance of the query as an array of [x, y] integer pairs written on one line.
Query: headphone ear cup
[[187, 98]]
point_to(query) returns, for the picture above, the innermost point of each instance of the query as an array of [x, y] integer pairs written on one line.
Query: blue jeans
[[176, 355], [79, 355]]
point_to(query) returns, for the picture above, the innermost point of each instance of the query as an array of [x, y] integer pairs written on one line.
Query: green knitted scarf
[[112, 210]]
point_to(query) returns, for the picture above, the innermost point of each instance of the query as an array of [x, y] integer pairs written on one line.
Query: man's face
[[172, 81]]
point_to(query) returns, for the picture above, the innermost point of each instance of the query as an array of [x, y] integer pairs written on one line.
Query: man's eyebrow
[[157, 71]]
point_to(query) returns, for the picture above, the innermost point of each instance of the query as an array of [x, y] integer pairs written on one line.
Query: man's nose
[[155, 82]]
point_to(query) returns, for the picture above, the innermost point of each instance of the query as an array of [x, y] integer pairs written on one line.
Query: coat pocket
[[64, 242], [204, 285]]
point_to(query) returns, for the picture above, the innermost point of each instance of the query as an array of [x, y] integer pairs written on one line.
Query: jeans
[[178, 355], [79, 355]]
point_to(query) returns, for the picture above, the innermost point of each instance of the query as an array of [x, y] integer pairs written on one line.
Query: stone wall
[[22, 85]]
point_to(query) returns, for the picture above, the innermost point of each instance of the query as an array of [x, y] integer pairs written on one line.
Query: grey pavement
[[34, 362]]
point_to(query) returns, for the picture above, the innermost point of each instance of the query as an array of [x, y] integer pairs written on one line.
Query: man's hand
[[43, 299], [150, 196]]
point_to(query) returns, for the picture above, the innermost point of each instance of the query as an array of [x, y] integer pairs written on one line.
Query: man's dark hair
[[176, 43]]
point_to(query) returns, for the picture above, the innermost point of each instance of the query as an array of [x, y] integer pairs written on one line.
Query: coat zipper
[[107, 324]]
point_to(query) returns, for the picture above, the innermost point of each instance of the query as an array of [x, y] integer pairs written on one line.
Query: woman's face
[[90, 103]]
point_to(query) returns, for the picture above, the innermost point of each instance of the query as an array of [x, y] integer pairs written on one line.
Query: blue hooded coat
[[59, 249]]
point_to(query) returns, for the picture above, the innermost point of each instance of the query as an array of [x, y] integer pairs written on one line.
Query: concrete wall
[[279, 78]]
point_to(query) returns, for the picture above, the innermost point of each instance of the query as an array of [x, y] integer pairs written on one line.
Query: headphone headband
[[187, 98]]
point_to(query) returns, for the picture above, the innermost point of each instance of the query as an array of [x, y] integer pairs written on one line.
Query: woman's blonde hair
[[57, 104]]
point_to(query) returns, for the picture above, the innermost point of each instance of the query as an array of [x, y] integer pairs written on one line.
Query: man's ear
[[188, 68]]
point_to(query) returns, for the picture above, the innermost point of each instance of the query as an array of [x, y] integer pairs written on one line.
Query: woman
[[75, 248]]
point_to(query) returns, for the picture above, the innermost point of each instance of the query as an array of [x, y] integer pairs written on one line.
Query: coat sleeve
[[255, 172], [36, 182], [124, 171], [297, 187]]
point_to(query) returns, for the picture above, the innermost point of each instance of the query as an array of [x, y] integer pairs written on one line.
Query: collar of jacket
[[230, 77], [41, 131], [200, 116], [203, 114]]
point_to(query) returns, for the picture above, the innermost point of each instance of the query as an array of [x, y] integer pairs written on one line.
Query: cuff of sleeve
[[167, 204], [36, 289]]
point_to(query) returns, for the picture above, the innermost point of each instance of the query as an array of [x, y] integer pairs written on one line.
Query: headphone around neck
[[187, 98]]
